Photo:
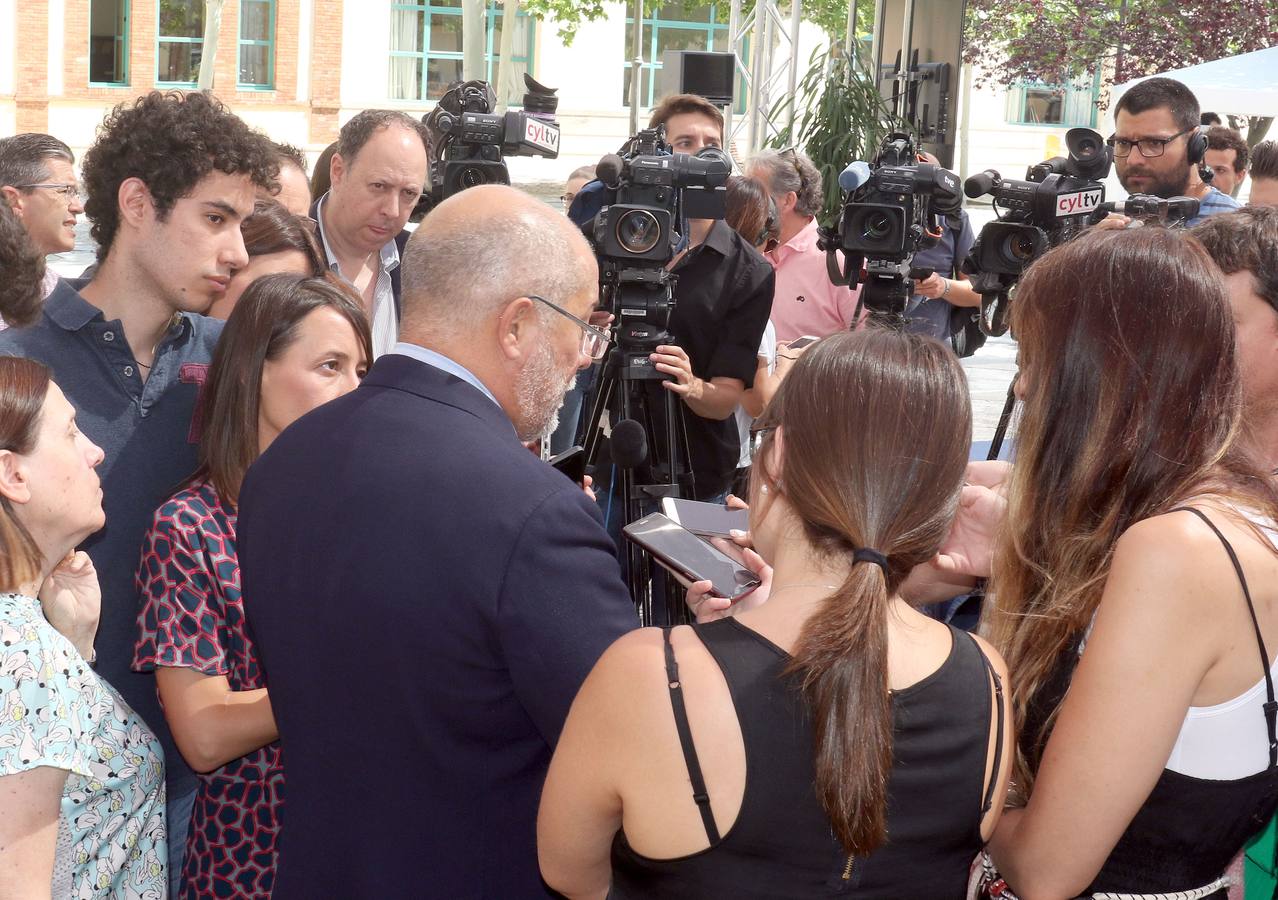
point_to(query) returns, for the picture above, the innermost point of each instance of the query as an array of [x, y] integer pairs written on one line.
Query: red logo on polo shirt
[[196, 374]]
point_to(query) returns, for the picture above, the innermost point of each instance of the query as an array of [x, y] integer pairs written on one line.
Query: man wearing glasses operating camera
[[1157, 146]]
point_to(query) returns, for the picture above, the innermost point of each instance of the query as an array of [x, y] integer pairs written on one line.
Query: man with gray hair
[[805, 301], [378, 172], [426, 631], [37, 181]]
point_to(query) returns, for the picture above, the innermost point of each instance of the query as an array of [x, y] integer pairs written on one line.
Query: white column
[[305, 45], [57, 28]]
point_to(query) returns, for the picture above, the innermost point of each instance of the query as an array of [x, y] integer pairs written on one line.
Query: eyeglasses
[[594, 342], [1149, 147], [67, 191], [566, 199]]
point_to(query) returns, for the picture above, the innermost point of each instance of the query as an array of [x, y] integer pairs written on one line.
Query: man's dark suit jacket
[[401, 241], [427, 598]]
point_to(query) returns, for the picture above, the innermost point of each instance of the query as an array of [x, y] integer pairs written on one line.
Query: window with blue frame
[[179, 41], [672, 28], [109, 42], [426, 47], [257, 44], [1062, 105]]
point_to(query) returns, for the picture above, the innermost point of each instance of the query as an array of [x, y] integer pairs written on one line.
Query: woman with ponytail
[[830, 740]]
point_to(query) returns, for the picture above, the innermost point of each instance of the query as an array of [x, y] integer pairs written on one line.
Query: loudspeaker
[[701, 72]]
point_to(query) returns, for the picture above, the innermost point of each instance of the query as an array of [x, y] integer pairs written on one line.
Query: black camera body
[[891, 210], [635, 236], [656, 191], [469, 141], [1059, 198]]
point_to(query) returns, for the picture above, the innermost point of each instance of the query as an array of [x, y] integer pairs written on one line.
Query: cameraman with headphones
[[1157, 144]]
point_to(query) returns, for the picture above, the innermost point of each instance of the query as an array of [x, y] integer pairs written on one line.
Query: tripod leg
[[1004, 420]]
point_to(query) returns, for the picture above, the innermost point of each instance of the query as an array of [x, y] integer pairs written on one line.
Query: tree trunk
[[1257, 128], [507, 85], [474, 40], [208, 52]]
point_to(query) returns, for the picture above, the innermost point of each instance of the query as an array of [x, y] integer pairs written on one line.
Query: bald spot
[[481, 249]]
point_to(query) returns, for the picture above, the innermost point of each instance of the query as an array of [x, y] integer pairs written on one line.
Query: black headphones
[[1196, 150]]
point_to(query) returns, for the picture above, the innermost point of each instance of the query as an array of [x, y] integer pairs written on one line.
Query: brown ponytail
[[877, 426]]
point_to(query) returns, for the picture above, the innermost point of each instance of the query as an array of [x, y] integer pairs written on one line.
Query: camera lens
[[877, 226], [638, 231], [1020, 246]]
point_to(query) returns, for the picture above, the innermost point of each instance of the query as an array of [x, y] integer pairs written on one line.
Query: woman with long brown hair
[[1135, 594], [291, 344], [834, 737]]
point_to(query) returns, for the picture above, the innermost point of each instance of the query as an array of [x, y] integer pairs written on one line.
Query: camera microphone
[[981, 184], [629, 444], [609, 170], [856, 174]]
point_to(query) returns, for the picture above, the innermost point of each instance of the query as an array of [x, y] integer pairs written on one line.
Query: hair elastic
[[866, 554]]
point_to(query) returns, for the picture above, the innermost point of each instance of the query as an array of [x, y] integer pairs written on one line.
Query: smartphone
[[572, 462], [705, 519], [685, 554], [800, 342]]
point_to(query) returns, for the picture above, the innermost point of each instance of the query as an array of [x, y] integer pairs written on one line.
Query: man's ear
[[12, 196], [135, 202], [336, 169], [14, 485], [517, 324]]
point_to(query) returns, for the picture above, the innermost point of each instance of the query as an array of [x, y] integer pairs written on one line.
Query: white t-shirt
[[767, 350]]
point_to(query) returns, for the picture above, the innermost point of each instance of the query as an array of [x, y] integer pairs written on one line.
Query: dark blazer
[[427, 597], [401, 241]]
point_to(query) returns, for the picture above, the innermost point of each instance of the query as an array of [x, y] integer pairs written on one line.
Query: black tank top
[[781, 844], [1189, 829]]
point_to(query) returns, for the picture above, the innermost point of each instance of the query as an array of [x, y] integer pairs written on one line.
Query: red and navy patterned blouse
[[192, 616]]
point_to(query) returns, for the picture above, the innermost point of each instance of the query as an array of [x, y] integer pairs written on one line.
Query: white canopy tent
[[1244, 85]]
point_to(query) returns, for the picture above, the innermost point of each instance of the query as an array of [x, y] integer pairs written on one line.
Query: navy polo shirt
[[150, 434]]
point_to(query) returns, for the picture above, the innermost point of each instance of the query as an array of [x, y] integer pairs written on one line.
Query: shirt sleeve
[[178, 624], [737, 353], [48, 702], [966, 238], [562, 603]]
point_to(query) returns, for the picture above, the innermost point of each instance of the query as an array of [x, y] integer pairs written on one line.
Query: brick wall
[[326, 71], [31, 94], [31, 90]]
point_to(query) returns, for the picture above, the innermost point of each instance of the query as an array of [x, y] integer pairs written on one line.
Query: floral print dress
[[56, 712]]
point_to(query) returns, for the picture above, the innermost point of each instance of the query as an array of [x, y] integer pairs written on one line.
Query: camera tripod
[[645, 470]]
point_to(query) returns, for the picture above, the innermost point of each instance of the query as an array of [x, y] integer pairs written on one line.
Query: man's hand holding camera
[[713, 399]]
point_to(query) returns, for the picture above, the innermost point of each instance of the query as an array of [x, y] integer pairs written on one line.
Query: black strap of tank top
[[699, 795], [1271, 707], [988, 803]]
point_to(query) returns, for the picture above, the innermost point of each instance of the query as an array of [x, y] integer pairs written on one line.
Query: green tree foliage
[[846, 119]]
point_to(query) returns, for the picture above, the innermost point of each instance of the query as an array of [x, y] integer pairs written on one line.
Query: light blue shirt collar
[[442, 362]]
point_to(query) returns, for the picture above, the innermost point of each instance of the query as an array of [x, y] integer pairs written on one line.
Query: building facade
[[298, 69]]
